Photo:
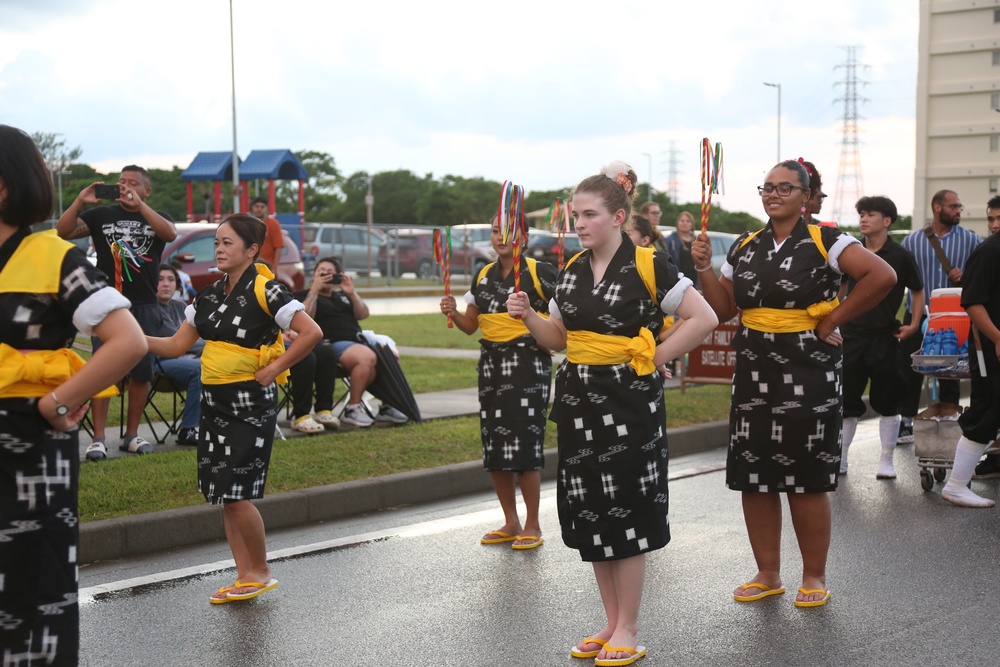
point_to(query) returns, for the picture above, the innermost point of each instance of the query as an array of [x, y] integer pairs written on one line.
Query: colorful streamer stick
[[441, 257], [557, 219], [513, 227], [711, 178], [125, 256]]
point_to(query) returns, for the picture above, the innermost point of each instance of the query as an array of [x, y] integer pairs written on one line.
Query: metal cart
[[934, 441]]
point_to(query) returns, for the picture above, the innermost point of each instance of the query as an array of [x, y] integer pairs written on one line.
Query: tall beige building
[[958, 107]]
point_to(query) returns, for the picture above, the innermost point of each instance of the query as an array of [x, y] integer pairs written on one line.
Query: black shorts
[[872, 359], [149, 318]]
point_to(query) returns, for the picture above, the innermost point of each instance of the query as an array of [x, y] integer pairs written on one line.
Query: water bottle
[[932, 344], [964, 349], [949, 342]]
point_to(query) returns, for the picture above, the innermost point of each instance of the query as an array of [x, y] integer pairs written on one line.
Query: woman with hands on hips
[[607, 311], [786, 413], [240, 317], [512, 420]]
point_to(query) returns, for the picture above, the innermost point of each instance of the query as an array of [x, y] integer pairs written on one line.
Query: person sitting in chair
[[332, 301], [184, 371]]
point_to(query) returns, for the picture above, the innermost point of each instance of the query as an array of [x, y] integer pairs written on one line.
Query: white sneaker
[[307, 424], [97, 451], [964, 497], [355, 415], [327, 419], [387, 413]]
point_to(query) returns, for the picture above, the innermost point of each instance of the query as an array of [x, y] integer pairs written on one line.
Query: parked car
[[412, 251], [721, 242], [195, 248], [348, 241], [543, 246]]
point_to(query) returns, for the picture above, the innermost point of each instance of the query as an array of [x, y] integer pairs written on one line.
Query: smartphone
[[336, 279], [107, 191]]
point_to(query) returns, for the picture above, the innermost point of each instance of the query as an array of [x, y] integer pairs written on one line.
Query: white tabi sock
[[967, 455], [846, 437], [888, 431]]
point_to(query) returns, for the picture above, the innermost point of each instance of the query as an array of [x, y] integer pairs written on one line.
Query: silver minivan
[[348, 241]]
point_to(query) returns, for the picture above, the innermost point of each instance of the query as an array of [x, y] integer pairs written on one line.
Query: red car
[[412, 251], [195, 248]]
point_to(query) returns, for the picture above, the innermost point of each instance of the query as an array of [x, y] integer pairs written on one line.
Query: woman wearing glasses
[[785, 418]]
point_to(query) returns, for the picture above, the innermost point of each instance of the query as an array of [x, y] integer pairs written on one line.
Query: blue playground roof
[[210, 166], [279, 164]]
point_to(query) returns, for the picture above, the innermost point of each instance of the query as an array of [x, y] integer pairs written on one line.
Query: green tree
[[456, 200], [396, 195], [58, 158], [322, 191]]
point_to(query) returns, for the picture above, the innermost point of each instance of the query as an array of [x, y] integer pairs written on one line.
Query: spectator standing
[[990, 466], [871, 340], [678, 246], [274, 240], [48, 291], [956, 244], [129, 239], [185, 370]]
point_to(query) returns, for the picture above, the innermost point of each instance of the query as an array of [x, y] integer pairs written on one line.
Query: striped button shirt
[[957, 245]]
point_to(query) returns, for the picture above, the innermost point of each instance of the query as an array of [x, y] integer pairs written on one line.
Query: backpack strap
[[533, 270], [814, 232], [482, 272]]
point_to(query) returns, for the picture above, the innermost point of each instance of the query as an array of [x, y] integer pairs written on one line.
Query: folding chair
[[161, 384]]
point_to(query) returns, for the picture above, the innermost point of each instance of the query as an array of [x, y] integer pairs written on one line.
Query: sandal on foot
[[497, 537], [537, 542], [813, 603], [635, 654], [225, 598], [136, 445], [261, 589], [765, 591], [577, 653]]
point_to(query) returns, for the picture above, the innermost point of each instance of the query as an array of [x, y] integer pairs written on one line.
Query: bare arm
[[176, 345], [360, 308], [874, 280], [716, 290], [70, 225], [467, 323], [307, 334], [549, 333], [123, 347], [699, 319]]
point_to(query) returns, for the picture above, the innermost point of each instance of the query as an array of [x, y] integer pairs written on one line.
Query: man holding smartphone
[[129, 238]]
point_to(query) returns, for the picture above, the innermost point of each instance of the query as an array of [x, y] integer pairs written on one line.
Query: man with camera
[[332, 301], [128, 238]]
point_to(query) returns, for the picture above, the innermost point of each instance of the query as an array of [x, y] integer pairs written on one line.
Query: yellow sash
[[792, 320], [35, 265], [501, 327], [586, 347], [34, 269], [223, 363], [34, 374]]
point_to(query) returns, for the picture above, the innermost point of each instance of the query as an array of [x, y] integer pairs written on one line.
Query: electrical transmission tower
[[672, 183], [850, 186]]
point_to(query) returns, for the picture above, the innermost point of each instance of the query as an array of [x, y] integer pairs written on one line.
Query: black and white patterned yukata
[[514, 376], [238, 418], [39, 469], [786, 415], [612, 481]]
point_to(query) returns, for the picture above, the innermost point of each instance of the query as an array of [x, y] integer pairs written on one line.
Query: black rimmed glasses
[[784, 189]]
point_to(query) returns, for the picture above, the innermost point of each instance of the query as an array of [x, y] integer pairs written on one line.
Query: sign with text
[[714, 358]]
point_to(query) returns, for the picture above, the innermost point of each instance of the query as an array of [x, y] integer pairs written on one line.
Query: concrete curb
[[149, 533]]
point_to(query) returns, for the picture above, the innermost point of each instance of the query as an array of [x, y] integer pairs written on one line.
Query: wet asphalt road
[[912, 580]]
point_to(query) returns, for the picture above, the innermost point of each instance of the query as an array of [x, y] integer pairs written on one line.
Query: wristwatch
[[61, 409]]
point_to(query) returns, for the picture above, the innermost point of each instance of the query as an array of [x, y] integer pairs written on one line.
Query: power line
[[850, 186]]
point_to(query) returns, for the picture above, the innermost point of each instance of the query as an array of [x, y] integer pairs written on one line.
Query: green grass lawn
[[168, 480], [428, 330]]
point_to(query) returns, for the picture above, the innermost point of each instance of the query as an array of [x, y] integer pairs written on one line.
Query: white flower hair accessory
[[618, 171]]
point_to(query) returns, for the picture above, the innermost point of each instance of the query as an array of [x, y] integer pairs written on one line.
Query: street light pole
[[778, 86], [369, 202], [232, 72], [649, 190]]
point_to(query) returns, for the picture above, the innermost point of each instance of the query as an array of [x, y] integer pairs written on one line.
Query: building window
[[996, 15], [993, 186], [996, 57], [995, 101], [995, 143]]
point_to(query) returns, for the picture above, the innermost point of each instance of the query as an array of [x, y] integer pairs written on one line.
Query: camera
[[334, 278], [107, 191]]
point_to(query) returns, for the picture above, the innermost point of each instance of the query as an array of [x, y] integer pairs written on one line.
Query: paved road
[[912, 579]]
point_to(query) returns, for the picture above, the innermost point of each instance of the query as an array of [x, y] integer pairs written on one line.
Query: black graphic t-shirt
[[139, 250]]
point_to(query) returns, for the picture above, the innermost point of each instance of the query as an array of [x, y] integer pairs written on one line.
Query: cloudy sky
[[542, 93]]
